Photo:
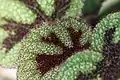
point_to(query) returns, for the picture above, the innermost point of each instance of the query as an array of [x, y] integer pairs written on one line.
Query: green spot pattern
[[47, 6], [83, 62], [16, 11], [75, 9], [110, 21]]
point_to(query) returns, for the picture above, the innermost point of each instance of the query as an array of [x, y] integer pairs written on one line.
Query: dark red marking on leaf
[[82, 77], [60, 8], [19, 30], [31, 4], [110, 66], [35, 8], [47, 62], [75, 36], [52, 38]]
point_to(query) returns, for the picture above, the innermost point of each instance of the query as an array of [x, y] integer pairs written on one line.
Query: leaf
[[8, 58], [109, 6], [16, 11], [110, 21], [75, 9], [47, 6], [91, 7], [53, 52]]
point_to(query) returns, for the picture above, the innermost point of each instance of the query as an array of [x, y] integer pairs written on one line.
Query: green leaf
[[8, 58], [91, 7], [34, 45], [110, 21], [109, 6], [47, 6], [75, 9], [16, 11]]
